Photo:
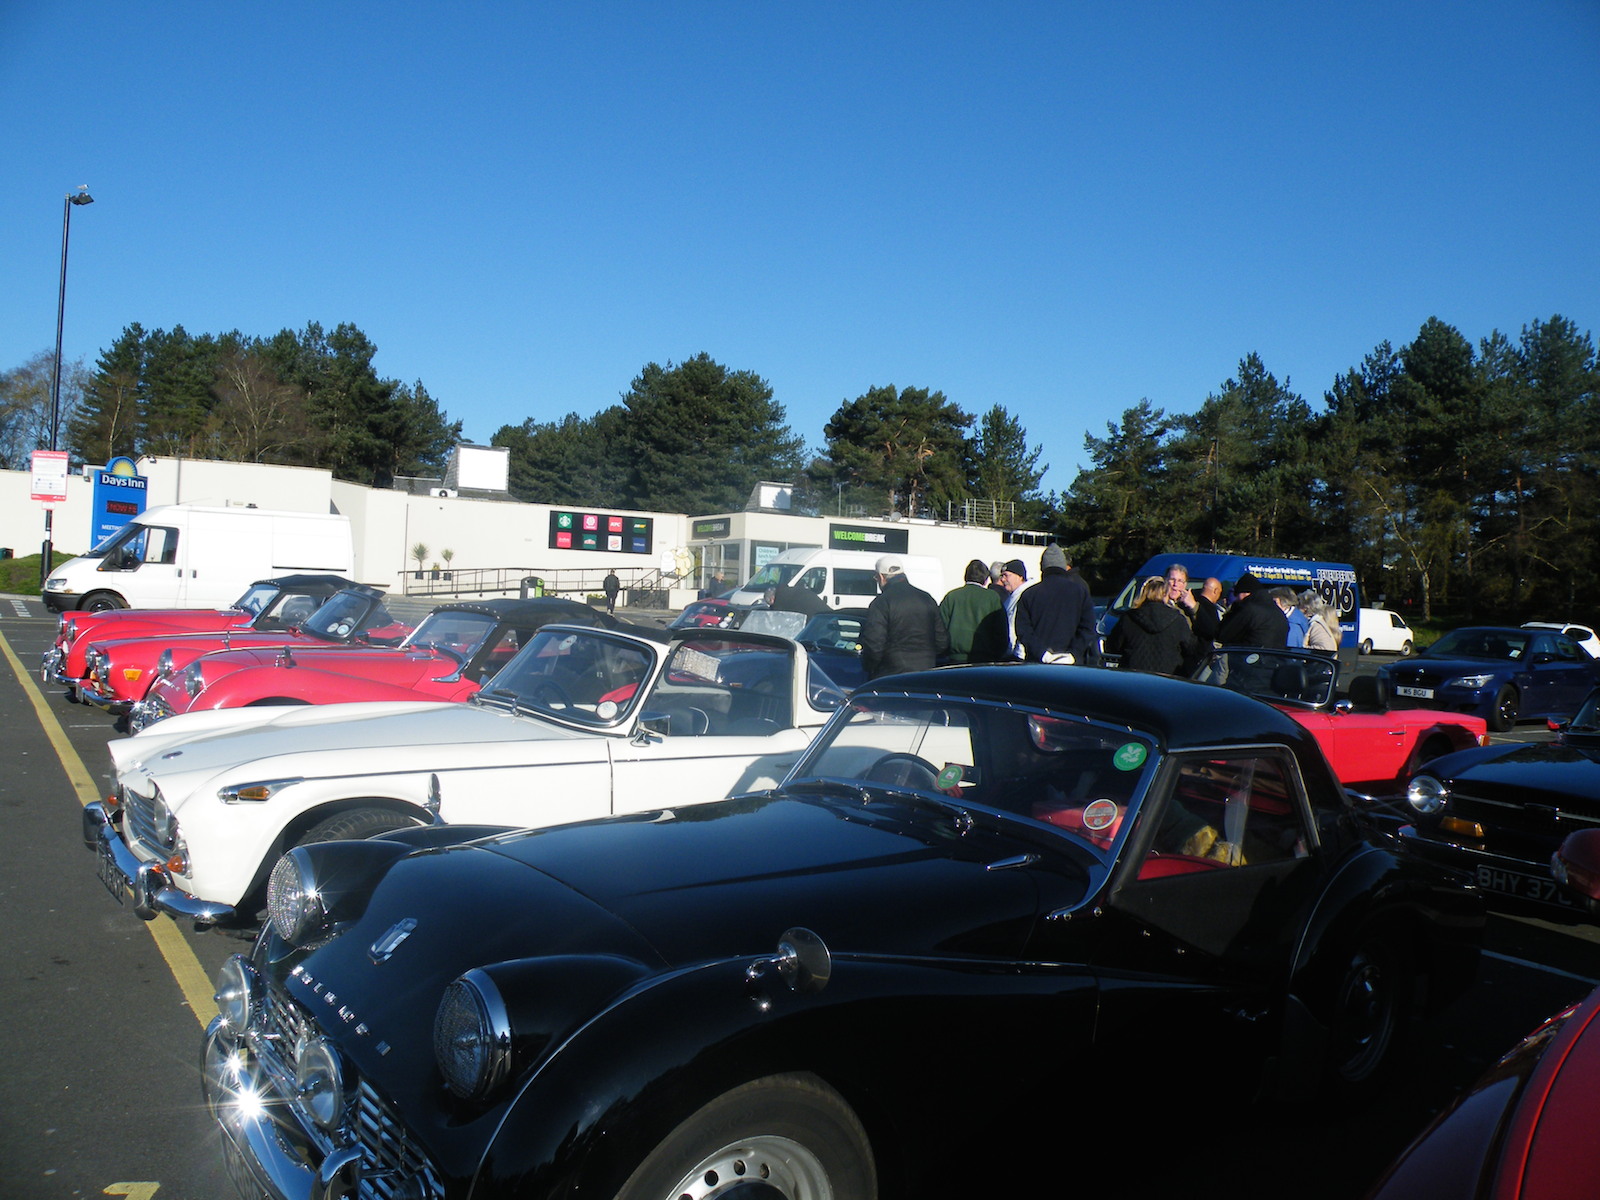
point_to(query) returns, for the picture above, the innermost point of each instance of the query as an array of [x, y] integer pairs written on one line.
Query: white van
[[1385, 629], [178, 556], [841, 577]]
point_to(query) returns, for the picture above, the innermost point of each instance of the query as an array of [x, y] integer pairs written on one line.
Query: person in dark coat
[[1255, 619], [1055, 617], [902, 629], [612, 586], [1153, 635], [975, 618]]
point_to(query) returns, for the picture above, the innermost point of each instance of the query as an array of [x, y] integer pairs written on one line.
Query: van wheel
[[102, 602], [1366, 646], [789, 1137], [1405, 646]]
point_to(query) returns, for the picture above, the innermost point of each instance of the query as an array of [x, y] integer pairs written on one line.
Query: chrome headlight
[[472, 1036], [166, 825], [164, 664], [95, 661], [55, 585], [65, 631], [239, 992], [294, 905], [1470, 682], [1426, 794], [194, 678], [319, 1080]]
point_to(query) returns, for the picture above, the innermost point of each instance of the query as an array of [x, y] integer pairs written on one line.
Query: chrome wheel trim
[[765, 1165]]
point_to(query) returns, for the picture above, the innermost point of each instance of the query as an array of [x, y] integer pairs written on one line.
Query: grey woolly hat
[[1053, 556]]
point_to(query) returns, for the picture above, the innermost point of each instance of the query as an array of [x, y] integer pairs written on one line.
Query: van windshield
[[774, 574]]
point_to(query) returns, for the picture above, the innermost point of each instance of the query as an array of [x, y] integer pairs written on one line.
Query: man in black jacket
[[902, 630], [1255, 619], [1055, 617]]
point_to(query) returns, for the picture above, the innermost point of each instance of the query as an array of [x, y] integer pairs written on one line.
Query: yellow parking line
[[181, 961]]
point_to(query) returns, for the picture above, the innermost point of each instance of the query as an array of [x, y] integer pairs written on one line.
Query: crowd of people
[[998, 613]]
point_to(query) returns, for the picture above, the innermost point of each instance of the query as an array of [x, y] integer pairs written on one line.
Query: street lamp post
[[81, 196]]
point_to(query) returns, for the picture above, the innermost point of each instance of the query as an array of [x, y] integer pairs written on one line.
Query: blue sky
[[1061, 208]]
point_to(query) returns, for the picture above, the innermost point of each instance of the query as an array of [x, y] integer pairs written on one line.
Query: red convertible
[[447, 657], [275, 603], [1369, 749], [120, 670]]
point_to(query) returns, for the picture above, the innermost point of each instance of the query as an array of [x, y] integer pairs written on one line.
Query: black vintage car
[[1499, 812], [984, 896]]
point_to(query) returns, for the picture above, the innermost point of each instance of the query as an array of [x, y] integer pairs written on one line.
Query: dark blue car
[[1501, 673]]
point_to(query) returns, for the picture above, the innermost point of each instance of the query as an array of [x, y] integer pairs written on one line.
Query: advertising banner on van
[[119, 496], [864, 537]]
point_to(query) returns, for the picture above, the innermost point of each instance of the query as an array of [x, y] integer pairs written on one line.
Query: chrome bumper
[[89, 694], [268, 1155], [124, 873], [146, 713]]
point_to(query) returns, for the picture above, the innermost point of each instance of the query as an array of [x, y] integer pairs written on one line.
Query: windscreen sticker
[[1100, 814], [950, 776], [1130, 756]]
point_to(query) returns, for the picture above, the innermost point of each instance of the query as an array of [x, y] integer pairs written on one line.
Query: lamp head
[[82, 196]]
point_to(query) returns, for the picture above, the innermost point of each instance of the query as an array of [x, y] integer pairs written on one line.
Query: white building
[[475, 544]]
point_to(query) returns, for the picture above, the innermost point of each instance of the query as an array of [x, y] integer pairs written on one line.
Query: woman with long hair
[[1152, 635]]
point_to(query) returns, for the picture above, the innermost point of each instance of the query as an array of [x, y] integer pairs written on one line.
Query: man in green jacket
[[975, 615]]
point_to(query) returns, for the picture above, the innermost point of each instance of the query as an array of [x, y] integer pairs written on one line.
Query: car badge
[[1099, 815], [383, 949]]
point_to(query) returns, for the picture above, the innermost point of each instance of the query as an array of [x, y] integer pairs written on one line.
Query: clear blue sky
[[1062, 208]]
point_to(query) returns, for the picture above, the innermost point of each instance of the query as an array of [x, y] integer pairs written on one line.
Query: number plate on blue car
[[1415, 692]]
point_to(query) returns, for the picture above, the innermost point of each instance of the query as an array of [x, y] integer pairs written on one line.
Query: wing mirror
[[1576, 867]]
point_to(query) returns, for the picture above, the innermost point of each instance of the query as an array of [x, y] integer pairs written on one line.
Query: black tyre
[[1368, 1016], [354, 824], [1503, 713], [785, 1137], [102, 602]]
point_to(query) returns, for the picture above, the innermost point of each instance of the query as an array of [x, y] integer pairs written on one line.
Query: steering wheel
[[904, 770], [548, 693]]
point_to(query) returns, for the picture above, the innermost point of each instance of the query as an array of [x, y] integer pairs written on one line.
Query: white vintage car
[[582, 723]]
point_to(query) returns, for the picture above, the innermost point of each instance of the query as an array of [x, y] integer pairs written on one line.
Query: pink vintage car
[[275, 603], [447, 657], [118, 671]]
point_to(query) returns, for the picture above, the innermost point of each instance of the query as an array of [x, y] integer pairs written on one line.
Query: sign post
[[50, 489]]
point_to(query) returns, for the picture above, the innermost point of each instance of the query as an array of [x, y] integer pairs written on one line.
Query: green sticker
[[950, 776], [1130, 756]]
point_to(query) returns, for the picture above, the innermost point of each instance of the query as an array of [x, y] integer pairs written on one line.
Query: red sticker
[[1099, 815]]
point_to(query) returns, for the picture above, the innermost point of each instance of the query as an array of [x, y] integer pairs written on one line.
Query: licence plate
[[1415, 693], [1524, 887], [106, 868]]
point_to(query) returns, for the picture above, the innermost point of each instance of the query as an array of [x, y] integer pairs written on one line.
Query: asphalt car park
[[99, 1056]]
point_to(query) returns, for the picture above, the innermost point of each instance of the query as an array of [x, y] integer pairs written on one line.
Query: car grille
[[1525, 829], [390, 1158], [139, 819]]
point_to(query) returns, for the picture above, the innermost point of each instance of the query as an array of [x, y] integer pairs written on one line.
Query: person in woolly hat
[[1055, 617]]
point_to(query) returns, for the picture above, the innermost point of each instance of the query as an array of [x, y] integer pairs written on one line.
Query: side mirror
[[1576, 867]]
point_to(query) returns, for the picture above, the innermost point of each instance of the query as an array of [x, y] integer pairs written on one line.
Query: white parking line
[[22, 609]]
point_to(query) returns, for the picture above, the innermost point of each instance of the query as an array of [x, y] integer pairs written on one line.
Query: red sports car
[[1525, 1131], [120, 670], [447, 657], [276, 603], [1370, 750]]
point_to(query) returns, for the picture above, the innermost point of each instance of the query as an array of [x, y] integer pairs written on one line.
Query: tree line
[[306, 398], [1456, 478]]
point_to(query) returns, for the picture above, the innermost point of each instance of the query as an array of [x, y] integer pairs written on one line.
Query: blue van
[[1334, 582]]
